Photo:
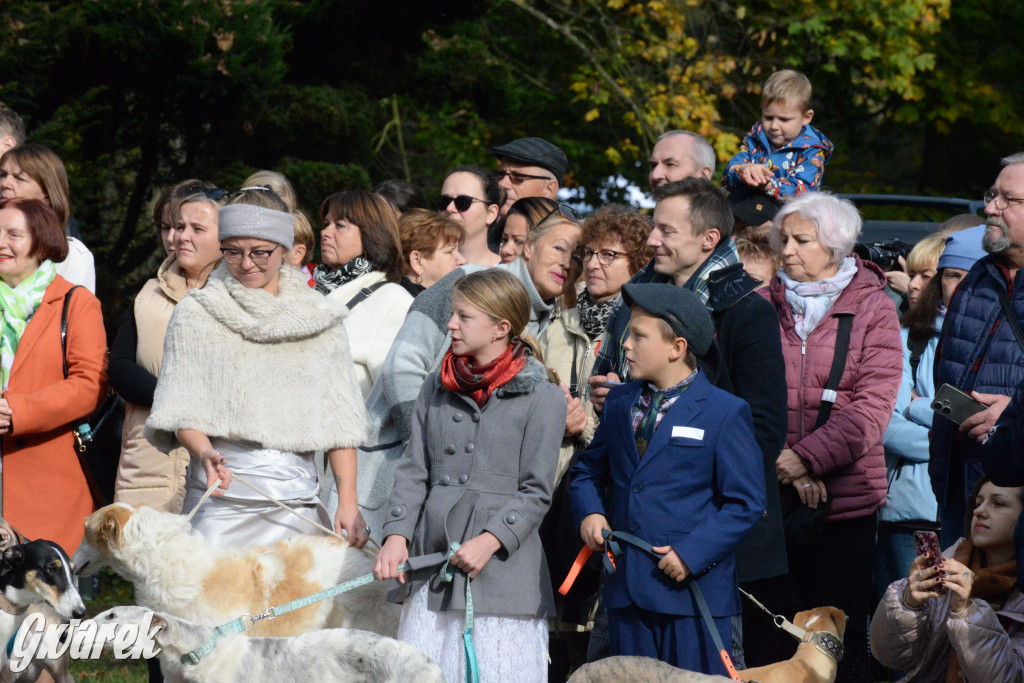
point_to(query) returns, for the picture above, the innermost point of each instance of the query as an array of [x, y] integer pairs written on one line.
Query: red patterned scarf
[[459, 374]]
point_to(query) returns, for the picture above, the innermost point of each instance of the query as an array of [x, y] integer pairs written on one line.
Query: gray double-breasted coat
[[467, 470]]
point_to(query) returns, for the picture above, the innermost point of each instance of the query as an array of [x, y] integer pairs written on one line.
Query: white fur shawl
[[244, 365]]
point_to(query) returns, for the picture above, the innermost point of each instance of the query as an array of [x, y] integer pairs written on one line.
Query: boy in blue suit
[[675, 463]]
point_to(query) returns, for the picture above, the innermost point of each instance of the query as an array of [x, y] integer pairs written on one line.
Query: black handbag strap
[[1011, 318], [916, 348], [364, 293], [64, 329], [835, 375]]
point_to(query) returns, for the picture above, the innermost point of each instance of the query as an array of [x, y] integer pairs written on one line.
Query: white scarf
[[810, 301]]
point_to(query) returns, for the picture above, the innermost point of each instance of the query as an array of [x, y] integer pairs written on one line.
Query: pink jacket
[[847, 450]]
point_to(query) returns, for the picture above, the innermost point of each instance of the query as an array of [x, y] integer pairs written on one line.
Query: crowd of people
[[720, 395]]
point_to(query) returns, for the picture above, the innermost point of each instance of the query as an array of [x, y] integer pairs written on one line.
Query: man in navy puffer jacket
[[979, 352]]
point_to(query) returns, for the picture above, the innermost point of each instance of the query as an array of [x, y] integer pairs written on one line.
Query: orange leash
[[574, 571]]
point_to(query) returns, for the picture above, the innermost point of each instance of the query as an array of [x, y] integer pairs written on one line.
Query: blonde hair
[[277, 183], [926, 253], [787, 86], [499, 294], [263, 197], [304, 236]]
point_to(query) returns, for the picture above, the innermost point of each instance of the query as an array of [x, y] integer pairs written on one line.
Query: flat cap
[[750, 206], [246, 220], [537, 152], [683, 310]]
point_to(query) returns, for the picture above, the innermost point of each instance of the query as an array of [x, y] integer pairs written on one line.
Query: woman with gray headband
[[245, 389]]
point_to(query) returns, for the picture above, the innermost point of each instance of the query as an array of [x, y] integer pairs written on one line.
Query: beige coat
[[145, 474], [373, 324], [563, 339]]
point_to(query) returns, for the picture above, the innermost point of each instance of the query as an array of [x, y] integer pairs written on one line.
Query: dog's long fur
[[175, 571], [329, 655], [808, 665]]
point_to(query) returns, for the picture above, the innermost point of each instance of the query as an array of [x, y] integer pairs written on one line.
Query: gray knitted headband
[[246, 220]]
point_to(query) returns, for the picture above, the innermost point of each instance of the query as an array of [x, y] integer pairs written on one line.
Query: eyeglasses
[[565, 211], [605, 257], [257, 256], [1002, 201], [462, 202], [517, 178], [213, 193]]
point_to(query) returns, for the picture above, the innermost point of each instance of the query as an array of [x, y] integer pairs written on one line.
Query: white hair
[[1017, 158], [837, 221], [701, 152]]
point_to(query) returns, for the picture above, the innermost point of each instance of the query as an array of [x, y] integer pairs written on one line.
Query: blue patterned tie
[[645, 431]]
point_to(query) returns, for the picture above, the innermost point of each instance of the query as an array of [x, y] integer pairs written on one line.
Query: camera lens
[[946, 410]]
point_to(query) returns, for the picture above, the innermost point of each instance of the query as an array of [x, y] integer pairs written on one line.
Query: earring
[[419, 280]]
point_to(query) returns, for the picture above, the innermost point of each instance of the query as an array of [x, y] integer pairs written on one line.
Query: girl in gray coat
[[964, 618], [478, 470]]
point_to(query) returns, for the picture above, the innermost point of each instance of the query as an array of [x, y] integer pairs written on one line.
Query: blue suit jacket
[[699, 488]]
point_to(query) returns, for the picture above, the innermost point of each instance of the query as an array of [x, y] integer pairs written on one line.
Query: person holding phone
[[975, 630]]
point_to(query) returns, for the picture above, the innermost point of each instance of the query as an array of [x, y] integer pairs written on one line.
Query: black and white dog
[[30, 573]]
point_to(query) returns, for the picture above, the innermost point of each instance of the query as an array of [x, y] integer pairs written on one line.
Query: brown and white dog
[[808, 665], [175, 571]]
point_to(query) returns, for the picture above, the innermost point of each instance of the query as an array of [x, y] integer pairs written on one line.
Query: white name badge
[[688, 433]]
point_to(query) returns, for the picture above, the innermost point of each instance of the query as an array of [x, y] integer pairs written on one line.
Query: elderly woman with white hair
[[240, 358], [832, 470]]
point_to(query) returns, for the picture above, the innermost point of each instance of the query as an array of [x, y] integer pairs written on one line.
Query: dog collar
[[827, 643]]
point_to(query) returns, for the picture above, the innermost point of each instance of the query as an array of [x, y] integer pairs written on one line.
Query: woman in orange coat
[[44, 492]]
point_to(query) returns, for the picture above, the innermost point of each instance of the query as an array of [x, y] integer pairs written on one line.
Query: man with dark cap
[[673, 462], [530, 167]]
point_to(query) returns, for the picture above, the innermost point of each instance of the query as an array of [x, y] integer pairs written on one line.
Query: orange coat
[[45, 493]]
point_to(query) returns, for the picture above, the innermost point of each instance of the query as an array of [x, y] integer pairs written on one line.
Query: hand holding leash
[[473, 555], [592, 530], [216, 468], [349, 519], [394, 553], [671, 563]]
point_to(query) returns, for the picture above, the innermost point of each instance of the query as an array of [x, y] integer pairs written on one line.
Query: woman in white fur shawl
[[257, 377]]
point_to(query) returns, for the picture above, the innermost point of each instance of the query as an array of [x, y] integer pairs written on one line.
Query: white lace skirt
[[507, 648]]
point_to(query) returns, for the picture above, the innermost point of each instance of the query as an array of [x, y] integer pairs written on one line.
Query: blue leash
[[611, 543], [445, 574]]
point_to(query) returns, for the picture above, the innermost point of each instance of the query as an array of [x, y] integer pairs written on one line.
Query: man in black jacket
[[693, 249]]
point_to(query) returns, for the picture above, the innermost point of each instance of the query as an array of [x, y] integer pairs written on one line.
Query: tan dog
[[808, 665]]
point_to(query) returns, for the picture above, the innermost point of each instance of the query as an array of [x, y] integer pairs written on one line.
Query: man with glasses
[[529, 167], [981, 350], [693, 250]]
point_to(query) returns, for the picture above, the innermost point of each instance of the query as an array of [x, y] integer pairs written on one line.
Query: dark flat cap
[[683, 310], [750, 206], [536, 152]]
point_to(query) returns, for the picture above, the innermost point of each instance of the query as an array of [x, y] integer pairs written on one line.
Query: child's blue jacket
[[798, 167], [699, 488]]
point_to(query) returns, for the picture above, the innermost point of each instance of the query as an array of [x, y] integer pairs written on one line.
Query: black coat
[[749, 340]]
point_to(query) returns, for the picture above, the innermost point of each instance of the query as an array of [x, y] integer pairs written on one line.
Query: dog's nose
[[78, 612]]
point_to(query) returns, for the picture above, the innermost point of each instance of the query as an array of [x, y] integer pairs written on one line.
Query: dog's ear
[[800, 618], [13, 555], [839, 617]]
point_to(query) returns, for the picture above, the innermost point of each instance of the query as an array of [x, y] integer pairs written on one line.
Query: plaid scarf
[[458, 373], [17, 305], [611, 357]]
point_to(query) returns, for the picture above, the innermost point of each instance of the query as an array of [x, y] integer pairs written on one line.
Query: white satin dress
[[243, 517]]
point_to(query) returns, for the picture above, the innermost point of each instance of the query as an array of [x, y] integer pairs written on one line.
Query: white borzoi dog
[[175, 571], [335, 654]]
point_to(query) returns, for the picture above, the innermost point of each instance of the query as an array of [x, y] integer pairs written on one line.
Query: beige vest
[[145, 474]]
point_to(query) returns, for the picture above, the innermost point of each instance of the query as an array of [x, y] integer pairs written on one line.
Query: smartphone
[[927, 543], [955, 405]]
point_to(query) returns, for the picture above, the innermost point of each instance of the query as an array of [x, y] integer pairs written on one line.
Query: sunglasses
[[517, 178], [215, 193], [462, 202], [565, 211]]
